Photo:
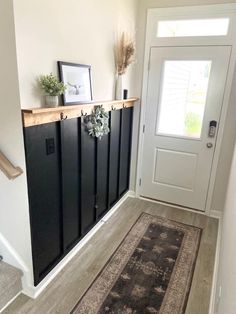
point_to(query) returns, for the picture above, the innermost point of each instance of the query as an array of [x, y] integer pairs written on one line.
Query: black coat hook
[[83, 114], [62, 116]]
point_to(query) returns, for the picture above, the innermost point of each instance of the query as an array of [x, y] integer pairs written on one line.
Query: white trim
[[208, 10], [212, 309], [11, 257], [193, 12], [225, 105], [196, 10], [173, 206], [9, 302], [215, 214], [132, 194], [34, 292], [116, 206]]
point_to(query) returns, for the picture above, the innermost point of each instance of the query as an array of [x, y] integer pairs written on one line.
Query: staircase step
[[10, 283]]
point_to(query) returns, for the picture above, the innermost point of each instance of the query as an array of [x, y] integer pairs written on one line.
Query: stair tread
[[10, 283], [8, 274]]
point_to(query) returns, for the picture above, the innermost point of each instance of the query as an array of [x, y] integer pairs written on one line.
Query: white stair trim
[[9, 302], [11, 257]]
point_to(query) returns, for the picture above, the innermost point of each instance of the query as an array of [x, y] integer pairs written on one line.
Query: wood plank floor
[[67, 288]]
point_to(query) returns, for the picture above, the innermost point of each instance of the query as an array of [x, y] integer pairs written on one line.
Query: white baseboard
[[212, 308], [116, 206], [132, 194], [213, 213], [34, 292], [173, 205]]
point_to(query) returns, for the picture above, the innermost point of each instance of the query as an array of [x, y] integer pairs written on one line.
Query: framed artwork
[[77, 78]]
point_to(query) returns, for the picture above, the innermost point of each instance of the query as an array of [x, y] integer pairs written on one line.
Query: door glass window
[[188, 28], [183, 98]]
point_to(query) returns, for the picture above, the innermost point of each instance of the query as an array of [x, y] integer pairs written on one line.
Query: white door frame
[[208, 11]]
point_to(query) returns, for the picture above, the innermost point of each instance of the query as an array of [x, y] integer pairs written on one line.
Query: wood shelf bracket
[[10, 171]]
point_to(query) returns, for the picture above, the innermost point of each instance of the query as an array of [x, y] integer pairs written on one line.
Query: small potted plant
[[52, 88]]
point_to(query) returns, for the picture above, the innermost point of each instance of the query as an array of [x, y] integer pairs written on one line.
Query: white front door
[[184, 98]]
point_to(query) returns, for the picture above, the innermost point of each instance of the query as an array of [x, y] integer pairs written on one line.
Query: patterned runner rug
[[150, 272]]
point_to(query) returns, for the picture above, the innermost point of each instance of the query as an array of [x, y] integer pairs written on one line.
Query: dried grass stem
[[124, 53]]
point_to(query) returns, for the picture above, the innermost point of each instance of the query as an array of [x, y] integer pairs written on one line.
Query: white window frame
[[192, 12]]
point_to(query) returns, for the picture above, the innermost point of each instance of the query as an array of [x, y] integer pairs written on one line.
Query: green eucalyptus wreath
[[98, 122]]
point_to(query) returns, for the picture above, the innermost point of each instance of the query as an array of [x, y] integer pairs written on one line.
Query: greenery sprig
[[98, 122], [51, 85]]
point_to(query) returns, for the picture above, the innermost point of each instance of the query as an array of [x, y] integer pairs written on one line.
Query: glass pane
[[183, 28], [183, 97]]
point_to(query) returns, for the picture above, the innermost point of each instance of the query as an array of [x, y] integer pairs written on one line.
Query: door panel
[[114, 156], [125, 147], [70, 147], [185, 92], [102, 175], [88, 179], [169, 165], [43, 174]]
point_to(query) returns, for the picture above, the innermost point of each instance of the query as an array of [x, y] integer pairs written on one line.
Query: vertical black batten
[[114, 156], [88, 177], [80, 181], [119, 158], [96, 180], [70, 182], [43, 177], [59, 132], [125, 151], [130, 143], [102, 175], [109, 162]]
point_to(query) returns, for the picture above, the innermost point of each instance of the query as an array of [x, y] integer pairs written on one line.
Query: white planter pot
[[51, 101], [119, 87]]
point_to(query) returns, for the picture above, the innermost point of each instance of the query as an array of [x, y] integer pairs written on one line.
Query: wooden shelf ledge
[[37, 116]]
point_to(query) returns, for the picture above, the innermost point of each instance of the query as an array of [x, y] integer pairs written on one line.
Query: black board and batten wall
[[73, 181]]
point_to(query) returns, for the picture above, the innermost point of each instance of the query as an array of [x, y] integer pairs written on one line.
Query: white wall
[[74, 31], [230, 130], [227, 270], [14, 216]]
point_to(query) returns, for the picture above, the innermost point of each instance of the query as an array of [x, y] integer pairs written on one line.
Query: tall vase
[[51, 101], [119, 87]]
